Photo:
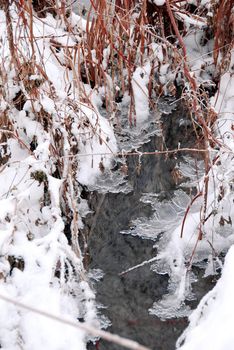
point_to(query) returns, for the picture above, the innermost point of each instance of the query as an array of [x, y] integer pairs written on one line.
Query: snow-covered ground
[[210, 326], [45, 132]]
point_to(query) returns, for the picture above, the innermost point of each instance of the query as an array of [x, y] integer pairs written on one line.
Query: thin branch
[[113, 338], [146, 262]]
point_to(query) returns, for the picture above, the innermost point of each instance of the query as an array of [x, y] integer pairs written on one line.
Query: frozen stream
[[121, 204], [128, 204]]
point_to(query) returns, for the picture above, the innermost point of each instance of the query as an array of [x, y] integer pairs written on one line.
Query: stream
[[116, 203]]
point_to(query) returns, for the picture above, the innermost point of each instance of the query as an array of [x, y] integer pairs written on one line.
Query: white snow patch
[[159, 2], [211, 324], [140, 82]]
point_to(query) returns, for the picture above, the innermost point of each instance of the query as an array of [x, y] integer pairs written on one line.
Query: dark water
[[127, 298]]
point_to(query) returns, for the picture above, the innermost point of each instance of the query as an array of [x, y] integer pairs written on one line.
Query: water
[[126, 224]]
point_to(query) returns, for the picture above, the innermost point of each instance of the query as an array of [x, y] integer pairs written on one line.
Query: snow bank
[[54, 140], [211, 324], [176, 255]]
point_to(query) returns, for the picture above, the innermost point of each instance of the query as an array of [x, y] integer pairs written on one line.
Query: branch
[[127, 343]]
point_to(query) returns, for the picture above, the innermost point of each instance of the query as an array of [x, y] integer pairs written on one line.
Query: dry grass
[[118, 39]]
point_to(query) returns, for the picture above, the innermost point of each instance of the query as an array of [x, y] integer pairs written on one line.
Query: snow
[[140, 82], [211, 324], [175, 252], [38, 267], [191, 21], [100, 141], [159, 2], [157, 51], [38, 241], [199, 56]]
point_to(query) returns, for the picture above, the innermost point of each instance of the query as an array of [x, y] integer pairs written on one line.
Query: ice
[[166, 215]]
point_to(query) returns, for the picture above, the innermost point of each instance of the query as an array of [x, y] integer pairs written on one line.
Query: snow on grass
[[47, 126], [33, 251], [97, 138]]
